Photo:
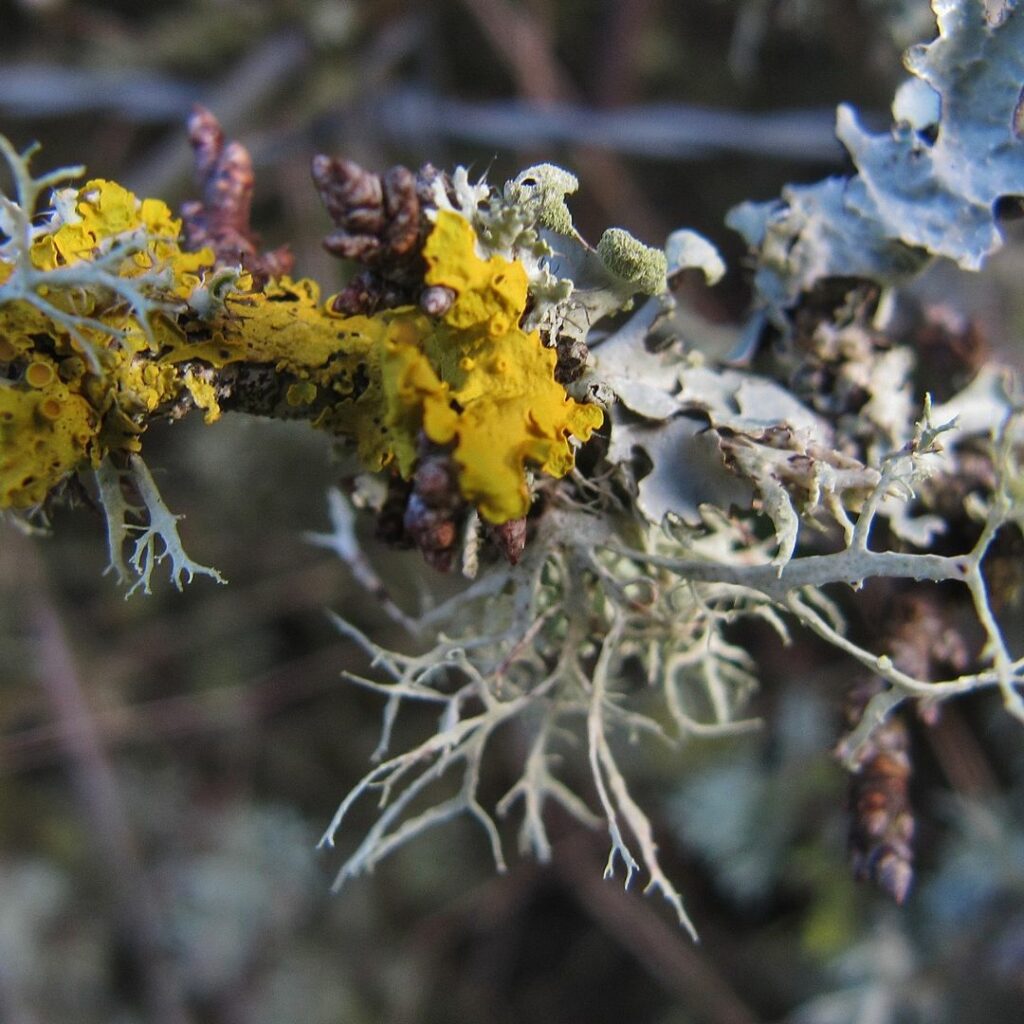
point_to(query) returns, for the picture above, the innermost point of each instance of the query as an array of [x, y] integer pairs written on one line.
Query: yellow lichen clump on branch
[[85, 371], [484, 384], [56, 415]]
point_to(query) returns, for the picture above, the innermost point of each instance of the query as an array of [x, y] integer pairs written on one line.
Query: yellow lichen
[[105, 211], [204, 394], [471, 380], [502, 406], [64, 415], [285, 326], [38, 374], [45, 434], [20, 326], [302, 392], [488, 293]]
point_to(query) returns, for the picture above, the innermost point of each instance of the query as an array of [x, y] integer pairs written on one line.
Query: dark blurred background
[[167, 763]]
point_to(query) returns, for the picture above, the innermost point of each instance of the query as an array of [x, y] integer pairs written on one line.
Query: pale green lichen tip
[[544, 188], [627, 257]]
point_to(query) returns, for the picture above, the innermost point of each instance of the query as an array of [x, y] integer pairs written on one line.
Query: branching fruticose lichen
[[610, 619]]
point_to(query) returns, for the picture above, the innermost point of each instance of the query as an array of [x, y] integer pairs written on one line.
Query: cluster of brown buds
[[881, 830], [435, 510], [428, 513], [572, 358], [220, 220], [951, 349], [380, 223], [924, 642]]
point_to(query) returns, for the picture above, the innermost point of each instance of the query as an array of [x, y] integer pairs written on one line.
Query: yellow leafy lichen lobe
[[204, 394], [490, 293], [476, 381], [284, 325], [413, 394], [302, 392], [104, 210], [108, 209], [59, 415]]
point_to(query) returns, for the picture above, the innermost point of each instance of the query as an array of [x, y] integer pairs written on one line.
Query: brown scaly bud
[[381, 223], [436, 508], [951, 348], [402, 210], [881, 819], [377, 218], [510, 539], [428, 512], [352, 196], [220, 219], [365, 294], [923, 641], [360, 297], [207, 139], [434, 531], [434, 481]]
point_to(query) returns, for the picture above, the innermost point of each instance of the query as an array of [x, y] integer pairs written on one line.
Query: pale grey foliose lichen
[[929, 187]]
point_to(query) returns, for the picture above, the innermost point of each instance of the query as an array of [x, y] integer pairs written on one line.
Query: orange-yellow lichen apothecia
[[45, 433], [471, 379]]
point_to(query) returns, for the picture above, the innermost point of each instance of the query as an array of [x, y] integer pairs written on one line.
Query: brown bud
[[353, 197], [346, 246], [881, 829], [361, 296], [380, 222], [427, 511], [510, 539], [435, 484], [220, 220], [402, 208], [207, 140], [923, 638], [377, 218], [572, 359], [951, 349], [432, 530]]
